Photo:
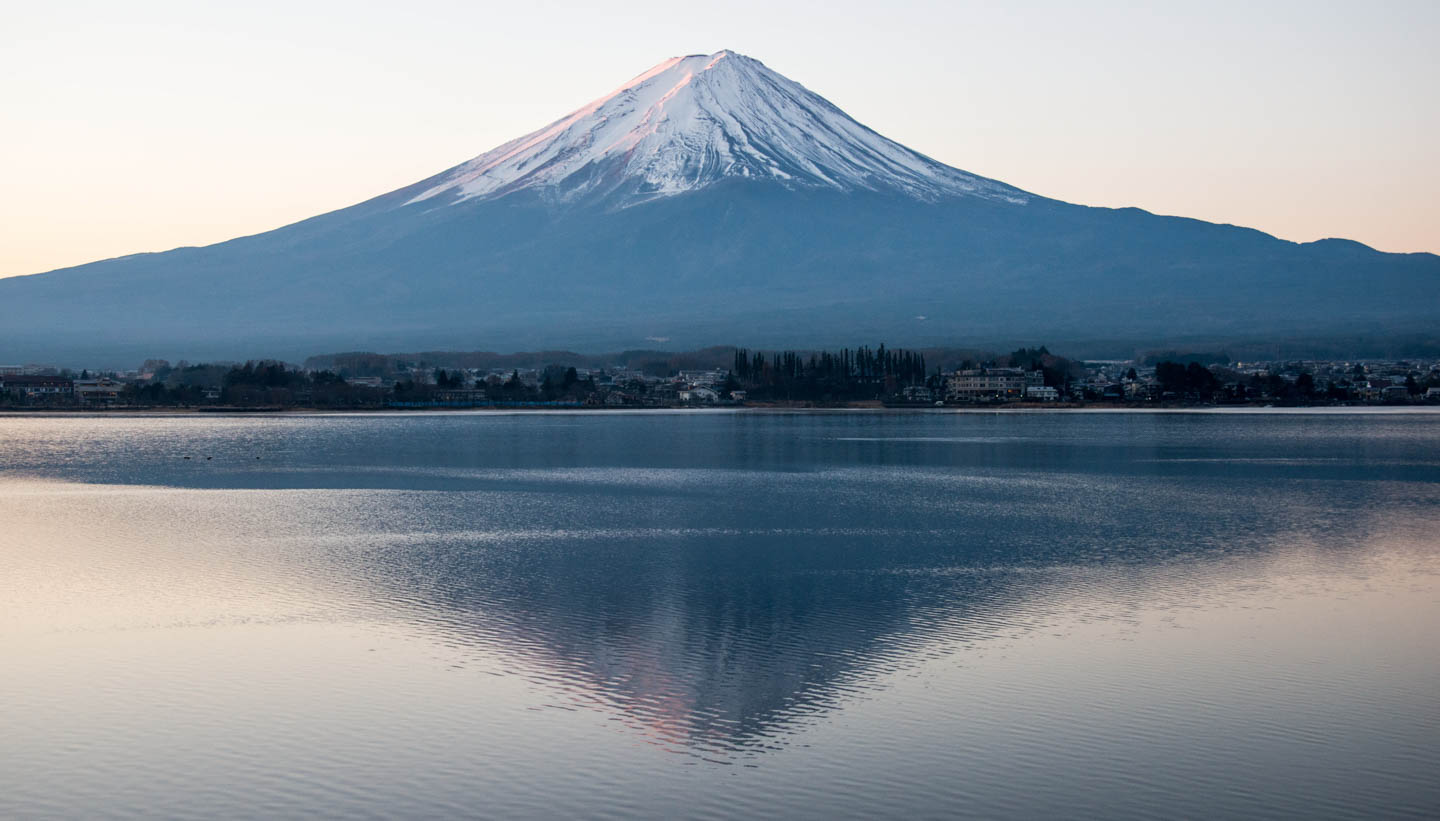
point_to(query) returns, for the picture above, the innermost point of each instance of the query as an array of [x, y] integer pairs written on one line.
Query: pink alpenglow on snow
[[692, 121]]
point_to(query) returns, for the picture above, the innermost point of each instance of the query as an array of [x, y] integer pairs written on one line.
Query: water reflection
[[717, 584], [718, 639]]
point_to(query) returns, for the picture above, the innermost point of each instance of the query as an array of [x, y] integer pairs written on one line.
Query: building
[[699, 395], [990, 383], [103, 391], [1042, 393], [1139, 390], [45, 389], [705, 379], [622, 376], [459, 397]]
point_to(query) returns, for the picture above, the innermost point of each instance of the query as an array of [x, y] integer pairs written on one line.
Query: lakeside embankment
[[768, 407]]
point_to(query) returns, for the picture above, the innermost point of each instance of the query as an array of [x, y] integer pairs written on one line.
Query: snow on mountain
[[799, 257], [692, 121]]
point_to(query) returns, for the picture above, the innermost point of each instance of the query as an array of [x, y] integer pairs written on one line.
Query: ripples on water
[[710, 615]]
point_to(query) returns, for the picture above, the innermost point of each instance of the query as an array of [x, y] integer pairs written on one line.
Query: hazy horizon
[[162, 126]]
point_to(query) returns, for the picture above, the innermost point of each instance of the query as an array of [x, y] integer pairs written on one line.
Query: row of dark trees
[[1059, 372], [1196, 382], [862, 373], [1193, 379], [273, 383], [558, 383], [255, 383]]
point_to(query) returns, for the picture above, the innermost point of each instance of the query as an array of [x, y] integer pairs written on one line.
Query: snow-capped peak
[[691, 121]]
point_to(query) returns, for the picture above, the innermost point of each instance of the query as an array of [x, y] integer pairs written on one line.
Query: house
[[460, 396], [917, 393], [705, 379], [47, 389], [101, 391], [1367, 391], [699, 395], [1042, 393]]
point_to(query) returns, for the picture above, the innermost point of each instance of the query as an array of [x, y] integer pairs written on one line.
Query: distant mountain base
[[61, 350], [711, 200]]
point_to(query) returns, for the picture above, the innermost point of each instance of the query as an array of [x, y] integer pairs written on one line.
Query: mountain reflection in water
[[722, 585]]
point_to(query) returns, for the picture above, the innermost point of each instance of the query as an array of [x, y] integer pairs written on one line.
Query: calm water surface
[[721, 614]]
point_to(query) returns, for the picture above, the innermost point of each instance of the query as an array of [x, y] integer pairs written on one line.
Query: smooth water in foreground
[[687, 614]]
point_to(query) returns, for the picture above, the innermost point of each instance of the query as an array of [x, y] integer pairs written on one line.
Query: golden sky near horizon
[[150, 125]]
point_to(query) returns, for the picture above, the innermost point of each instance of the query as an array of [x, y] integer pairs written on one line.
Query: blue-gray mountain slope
[[719, 225]]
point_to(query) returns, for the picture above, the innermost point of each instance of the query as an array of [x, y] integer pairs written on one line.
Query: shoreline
[[770, 408]]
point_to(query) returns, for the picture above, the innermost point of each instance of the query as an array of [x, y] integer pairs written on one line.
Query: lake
[[721, 614]]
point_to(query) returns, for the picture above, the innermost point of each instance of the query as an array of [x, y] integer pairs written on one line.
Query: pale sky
[[146, 125]]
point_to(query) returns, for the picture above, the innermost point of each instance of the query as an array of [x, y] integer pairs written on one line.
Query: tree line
[[861, 373], [263, 382], [1196, 382]]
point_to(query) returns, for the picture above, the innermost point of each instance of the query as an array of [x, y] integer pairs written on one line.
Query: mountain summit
[[710, 201], [692, 121]]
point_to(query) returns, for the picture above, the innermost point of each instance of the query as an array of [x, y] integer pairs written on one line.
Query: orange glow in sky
[[149, 125]]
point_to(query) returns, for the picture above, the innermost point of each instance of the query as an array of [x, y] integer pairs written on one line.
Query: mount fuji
[[691, 122], [710, 200]]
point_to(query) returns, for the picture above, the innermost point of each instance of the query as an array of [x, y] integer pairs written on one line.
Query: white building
[[1042, 393], [917, 393], [709, 378], [988, 383]]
